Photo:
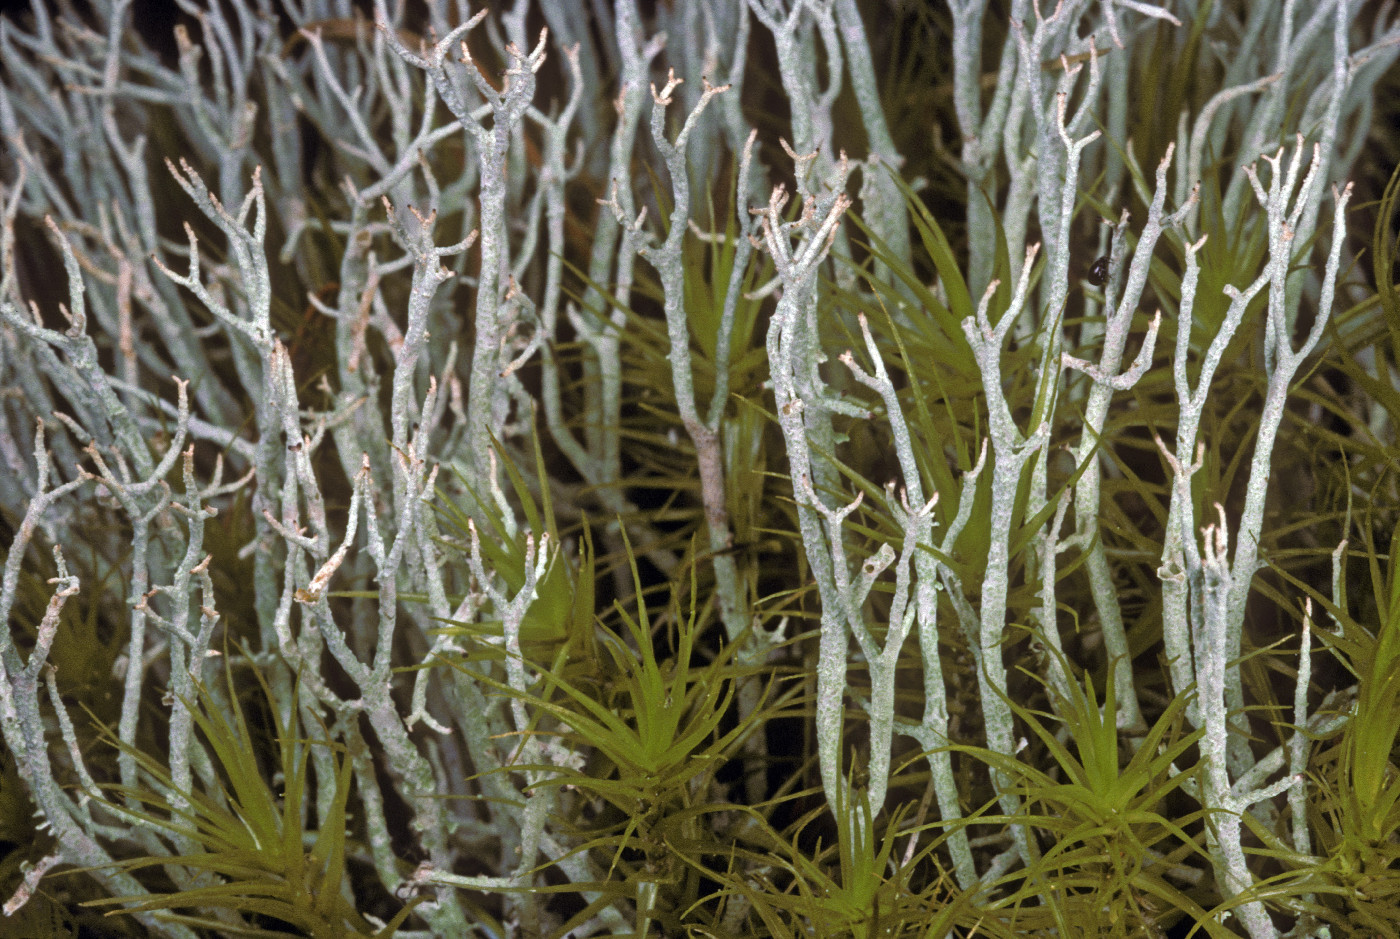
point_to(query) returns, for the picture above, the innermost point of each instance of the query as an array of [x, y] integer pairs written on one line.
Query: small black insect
[[1098, 271]]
